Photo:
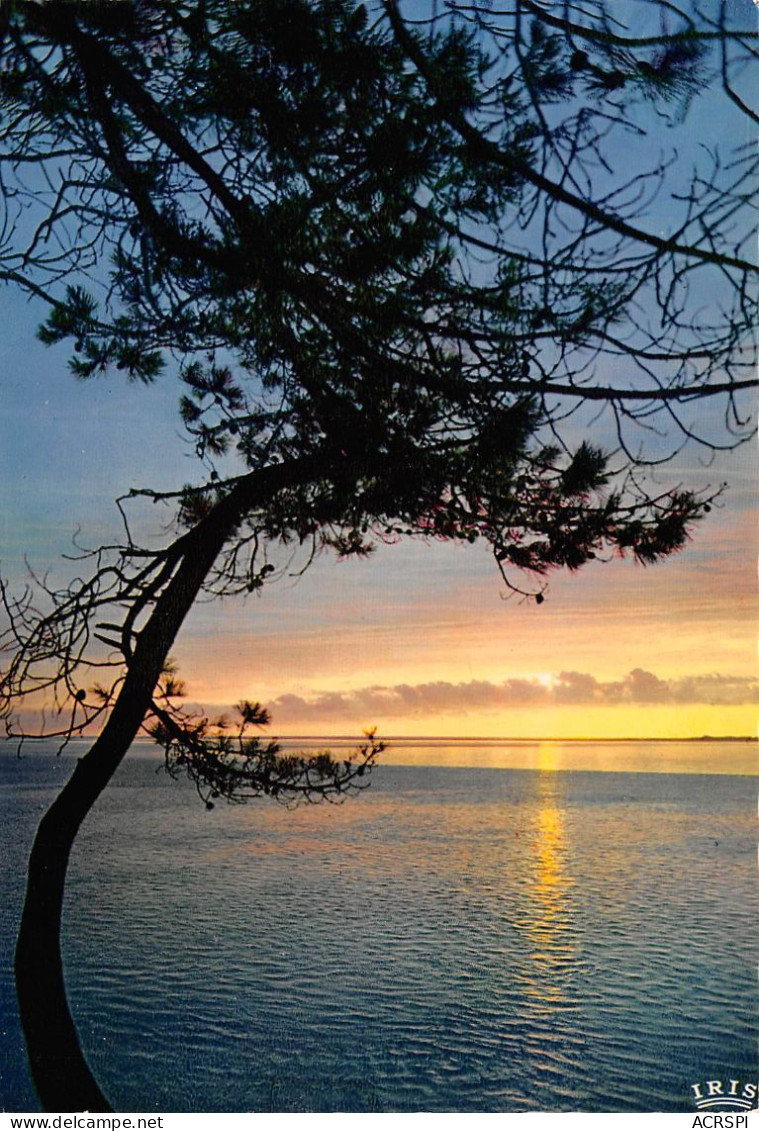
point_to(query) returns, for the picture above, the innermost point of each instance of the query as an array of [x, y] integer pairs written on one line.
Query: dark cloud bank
[[567, 689]]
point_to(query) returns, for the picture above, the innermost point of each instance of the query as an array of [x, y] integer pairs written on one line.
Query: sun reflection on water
[[546, 916]]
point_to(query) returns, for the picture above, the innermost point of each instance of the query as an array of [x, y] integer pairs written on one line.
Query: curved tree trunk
[[60, 1072], [58, 1068]]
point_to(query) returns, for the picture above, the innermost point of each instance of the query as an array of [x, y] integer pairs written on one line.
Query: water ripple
[[497, 941]]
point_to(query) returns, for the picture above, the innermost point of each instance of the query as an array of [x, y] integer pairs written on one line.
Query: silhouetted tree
[[390, 258]]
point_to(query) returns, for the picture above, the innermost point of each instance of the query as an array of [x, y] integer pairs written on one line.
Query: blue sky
[[420, 625], [427, 618]]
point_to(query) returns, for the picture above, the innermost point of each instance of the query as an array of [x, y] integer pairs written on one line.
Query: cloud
[[568, 688]]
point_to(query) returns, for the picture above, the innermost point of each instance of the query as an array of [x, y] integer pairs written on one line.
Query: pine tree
[[389, 258]]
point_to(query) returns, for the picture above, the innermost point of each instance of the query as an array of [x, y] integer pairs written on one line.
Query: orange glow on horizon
[[644, 721]]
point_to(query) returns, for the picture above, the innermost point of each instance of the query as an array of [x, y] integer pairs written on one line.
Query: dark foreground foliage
[[395, 253]]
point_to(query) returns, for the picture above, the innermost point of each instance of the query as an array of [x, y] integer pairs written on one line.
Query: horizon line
[[515, 739], [473, 740]]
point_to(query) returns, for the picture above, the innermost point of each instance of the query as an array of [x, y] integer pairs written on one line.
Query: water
[[455, 939]]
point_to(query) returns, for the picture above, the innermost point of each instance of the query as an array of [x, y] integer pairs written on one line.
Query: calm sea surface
[[455, 939]]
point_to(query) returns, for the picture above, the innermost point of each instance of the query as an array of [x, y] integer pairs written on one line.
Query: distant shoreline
[[431, 740], [501, 740]]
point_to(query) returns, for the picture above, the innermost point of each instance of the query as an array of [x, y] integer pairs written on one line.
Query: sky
[[419, 639]]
